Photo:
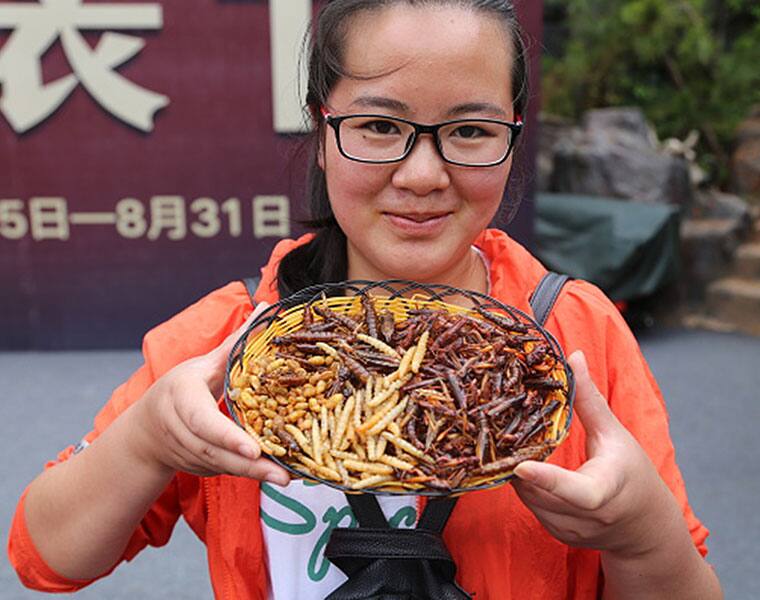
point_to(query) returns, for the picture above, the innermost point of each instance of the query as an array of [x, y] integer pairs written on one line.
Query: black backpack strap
[[394, 564], [436, 514], [251, 284], [367, 511], [545, 295]]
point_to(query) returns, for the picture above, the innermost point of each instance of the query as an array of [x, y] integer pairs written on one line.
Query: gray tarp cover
[[629, 249]]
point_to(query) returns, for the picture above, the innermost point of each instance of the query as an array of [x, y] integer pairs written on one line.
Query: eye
[[469, 131], [382, 127]]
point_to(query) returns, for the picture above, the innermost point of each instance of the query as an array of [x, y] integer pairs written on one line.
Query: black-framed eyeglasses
[[380, 139]]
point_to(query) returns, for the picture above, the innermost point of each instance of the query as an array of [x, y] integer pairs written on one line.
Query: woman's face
[[416, 219]]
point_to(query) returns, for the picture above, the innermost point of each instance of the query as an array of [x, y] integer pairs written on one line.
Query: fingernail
[[248, 451], [277, 478], [525, 472]]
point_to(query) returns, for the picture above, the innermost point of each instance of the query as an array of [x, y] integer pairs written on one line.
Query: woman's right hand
[[182, 429]]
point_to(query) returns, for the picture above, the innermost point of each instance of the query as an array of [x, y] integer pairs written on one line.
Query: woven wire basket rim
[[397, 288]]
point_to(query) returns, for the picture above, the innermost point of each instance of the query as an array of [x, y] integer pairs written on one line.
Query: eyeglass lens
[[473, 141]]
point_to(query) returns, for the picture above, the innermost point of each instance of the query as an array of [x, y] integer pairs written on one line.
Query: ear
[[321, 143]]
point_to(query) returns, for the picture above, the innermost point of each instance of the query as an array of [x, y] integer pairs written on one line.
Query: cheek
[[483, 190], [352, 186]]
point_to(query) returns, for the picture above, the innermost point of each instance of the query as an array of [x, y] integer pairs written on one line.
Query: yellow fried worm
[[346, 413], [382, 396], [318, 469], [371, 482], [387, 418], [367, 467], [378, 416], [419, 352], [406, 446], [299, 437], [378, 345], [316, 442], [396, 463], [406, 363]]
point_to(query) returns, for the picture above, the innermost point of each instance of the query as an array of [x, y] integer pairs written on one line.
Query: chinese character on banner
[[49, 219], [27, 101], [271, 216], [167, 213]]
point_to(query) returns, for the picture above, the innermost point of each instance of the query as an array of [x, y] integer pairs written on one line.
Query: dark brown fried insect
[[356, 368], [370, 316], [544, 383], [279, 429], [456, 389], [482, 444], [387, 325], [298, 337], [506, 323], [308, 316], [330, 315], [510, 462]]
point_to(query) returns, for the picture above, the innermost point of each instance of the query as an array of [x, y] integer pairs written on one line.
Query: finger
[[203, 420], [576, 488], [218, 460], [212, 444], [538, 499], [263, 469], [590, 405]]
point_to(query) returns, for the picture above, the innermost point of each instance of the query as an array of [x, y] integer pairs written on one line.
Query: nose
[[423, 171]]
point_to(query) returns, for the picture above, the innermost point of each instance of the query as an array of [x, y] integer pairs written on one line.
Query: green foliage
[[690, 64]]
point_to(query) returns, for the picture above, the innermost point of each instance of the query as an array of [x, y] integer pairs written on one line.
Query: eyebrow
[[402, 107], [476, 107], [381, 102]]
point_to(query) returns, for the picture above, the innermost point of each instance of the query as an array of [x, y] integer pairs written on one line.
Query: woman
[[393, 197]]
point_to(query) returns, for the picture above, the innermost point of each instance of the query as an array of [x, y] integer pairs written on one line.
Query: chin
[[415, 270]]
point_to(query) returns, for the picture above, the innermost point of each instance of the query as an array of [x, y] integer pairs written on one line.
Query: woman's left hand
[[616, 501]]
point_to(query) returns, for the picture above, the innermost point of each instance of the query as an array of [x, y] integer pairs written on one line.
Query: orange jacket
[[501, 550]]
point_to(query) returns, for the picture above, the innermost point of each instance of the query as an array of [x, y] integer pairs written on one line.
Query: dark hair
[[325, 259]]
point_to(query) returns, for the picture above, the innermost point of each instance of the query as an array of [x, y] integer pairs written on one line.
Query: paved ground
[[710, 381]]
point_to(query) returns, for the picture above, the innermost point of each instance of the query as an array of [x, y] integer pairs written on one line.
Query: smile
[[418, 223]]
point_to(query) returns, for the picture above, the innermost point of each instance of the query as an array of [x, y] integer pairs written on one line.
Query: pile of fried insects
[[438, 400]]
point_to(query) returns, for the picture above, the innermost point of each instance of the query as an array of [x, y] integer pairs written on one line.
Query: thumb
[[217, 358], [590, 405]]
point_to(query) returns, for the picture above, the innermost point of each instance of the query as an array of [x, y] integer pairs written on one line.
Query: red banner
[[146, 157]]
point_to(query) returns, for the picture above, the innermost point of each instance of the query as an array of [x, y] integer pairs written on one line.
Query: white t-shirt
[[297, 521]]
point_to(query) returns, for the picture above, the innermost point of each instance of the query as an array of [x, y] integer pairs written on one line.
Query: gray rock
[[707, 249], [615, 154], [745, 162], [745, 168], [712, 203], [629, 123], [551, 130]]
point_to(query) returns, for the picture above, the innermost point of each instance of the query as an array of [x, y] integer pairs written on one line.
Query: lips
[[419, 217], [418, 223]]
